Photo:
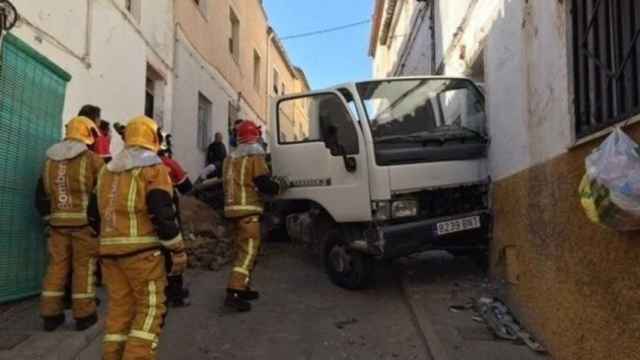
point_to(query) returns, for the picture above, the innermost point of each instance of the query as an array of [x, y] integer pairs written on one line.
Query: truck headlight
[[381, 210], [385, 210], [404, 208]]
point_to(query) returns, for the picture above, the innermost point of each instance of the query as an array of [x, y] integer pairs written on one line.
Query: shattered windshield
[[430, 111]]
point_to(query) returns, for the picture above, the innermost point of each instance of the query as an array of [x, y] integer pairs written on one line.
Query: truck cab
[[382, 169]]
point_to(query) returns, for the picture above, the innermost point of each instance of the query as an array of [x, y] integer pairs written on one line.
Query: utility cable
[[324, 31]]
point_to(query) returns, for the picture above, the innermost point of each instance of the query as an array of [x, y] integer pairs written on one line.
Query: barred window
[[606, 54]]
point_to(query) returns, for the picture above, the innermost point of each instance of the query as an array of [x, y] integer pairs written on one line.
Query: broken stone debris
[[205, 233]]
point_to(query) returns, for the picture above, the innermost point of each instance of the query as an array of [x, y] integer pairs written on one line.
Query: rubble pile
[[205, 233]]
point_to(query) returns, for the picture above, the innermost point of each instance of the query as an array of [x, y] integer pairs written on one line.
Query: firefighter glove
[[179, 262], [283, 183]]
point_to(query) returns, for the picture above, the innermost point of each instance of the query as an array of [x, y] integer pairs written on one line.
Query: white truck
[[383, 169]]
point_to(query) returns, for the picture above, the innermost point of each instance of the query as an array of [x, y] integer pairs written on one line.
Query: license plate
[[453, 226]]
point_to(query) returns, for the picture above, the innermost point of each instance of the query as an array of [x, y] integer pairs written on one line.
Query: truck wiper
[[436, 137]]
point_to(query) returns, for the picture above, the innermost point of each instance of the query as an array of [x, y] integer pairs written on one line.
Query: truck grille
[[453, 201]]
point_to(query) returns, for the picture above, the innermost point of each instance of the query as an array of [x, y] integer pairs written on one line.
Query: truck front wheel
[[346, 267]]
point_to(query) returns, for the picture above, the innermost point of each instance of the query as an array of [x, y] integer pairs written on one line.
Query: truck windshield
[[426, 117], [426, 110]]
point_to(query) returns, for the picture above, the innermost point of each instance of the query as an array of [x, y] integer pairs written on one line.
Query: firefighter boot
[[53, 322], [235, 302], [248, 294], [86, 322]]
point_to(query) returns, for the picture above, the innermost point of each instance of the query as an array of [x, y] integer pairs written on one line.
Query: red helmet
[[248, 132]]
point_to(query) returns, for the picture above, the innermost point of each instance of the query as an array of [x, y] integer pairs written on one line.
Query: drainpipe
[[270, 35], [432, 22]]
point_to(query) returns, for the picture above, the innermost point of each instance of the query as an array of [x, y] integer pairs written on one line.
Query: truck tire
[[347, 268]]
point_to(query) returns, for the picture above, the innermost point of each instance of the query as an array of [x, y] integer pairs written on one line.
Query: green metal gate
[[32, 92]]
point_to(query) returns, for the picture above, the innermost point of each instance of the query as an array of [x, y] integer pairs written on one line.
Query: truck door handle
[[350, 163]]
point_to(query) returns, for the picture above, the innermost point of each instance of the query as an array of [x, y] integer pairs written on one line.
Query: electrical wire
[[324, 31]]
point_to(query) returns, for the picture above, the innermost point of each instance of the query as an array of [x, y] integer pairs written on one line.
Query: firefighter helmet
[[82, 129], [248, 132], [142, 131]]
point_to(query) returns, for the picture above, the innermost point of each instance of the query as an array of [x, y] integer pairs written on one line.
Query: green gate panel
[[32, 93]]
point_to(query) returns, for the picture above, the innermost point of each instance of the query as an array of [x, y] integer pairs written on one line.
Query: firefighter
[[177, 295], [64, 199], [138, 220], [246, 178]]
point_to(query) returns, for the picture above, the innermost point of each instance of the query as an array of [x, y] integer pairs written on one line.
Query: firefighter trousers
[[246, 234], [71, 250], [135, 286]]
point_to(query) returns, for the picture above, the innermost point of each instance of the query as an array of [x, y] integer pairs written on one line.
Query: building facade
[[229, 65], [558, 75], [195, 66], [116, 54]]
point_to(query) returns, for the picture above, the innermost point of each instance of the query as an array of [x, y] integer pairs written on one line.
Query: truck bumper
[[396, 240]]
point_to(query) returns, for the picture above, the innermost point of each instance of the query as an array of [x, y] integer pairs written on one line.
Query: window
[[606, 57], [204, 118], [257, 67], [154, 95], [276, 81], [133, 7], [320, 118], [149, 102], [234, 40]]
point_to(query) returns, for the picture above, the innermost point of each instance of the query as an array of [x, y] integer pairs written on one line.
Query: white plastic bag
[[615, 164]]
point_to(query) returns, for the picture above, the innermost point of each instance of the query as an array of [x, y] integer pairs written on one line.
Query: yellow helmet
[[82, 129], [142, 131]]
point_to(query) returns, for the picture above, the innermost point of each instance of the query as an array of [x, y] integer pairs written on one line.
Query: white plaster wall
[[194, 76], [505, 93], [547, 79], [112, 73]]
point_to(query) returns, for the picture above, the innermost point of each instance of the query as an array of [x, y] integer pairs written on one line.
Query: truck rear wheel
[[346, 267]]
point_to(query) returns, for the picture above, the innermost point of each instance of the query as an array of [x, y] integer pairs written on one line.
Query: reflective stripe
[[250, 254], [244, 208], [84, 296], [53, 293], [129, 240], [131, 205], [45, 177], [173, 242], [153, 302], [68, 215], [83, 186], [100, 174], [241, 271], [228, 169], [115, 338], [143, 335], [243, 190], [92, 265]]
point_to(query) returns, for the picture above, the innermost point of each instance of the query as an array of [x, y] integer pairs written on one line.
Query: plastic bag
[[610, 191]]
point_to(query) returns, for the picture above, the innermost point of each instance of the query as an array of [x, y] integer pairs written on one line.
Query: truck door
[[317, 144]]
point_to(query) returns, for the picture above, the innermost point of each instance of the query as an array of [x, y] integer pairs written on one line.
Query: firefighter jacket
[[64, 195], [135, 204], [246, 177]]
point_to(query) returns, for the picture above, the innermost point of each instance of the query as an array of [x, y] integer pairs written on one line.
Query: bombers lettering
[[60, 181], [311, 182]]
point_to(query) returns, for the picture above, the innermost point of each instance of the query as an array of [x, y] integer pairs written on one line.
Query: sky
[[331, 58]]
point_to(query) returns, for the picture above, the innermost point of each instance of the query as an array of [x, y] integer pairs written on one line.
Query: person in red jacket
[[177, 295]]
